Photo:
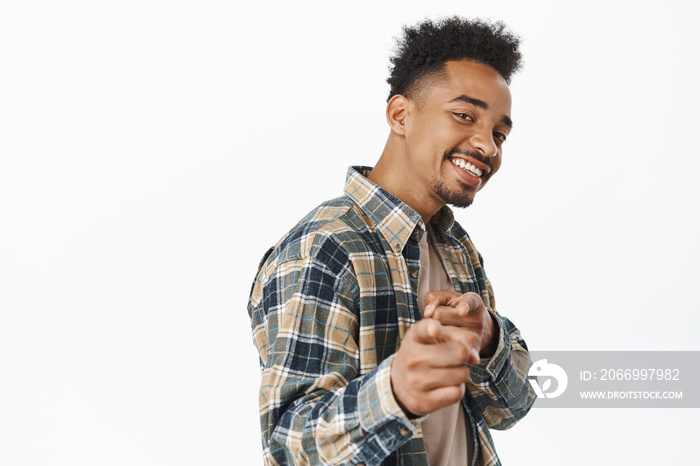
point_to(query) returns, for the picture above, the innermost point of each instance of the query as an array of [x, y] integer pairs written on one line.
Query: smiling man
[[375, 323]]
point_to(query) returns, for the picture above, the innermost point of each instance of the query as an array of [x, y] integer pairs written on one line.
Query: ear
[[397, 113]]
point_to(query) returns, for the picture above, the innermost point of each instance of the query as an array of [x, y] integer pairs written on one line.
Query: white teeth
[[467, 166]]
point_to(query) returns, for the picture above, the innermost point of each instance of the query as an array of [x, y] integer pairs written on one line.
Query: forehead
[[474, 80]]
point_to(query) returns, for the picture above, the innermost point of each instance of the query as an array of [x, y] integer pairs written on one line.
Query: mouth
[[470, 168]]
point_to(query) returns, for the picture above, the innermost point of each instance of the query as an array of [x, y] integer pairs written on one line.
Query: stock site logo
[[545, 373]]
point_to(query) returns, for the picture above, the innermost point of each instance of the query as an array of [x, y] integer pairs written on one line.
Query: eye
[[500, 136], [463, 116]]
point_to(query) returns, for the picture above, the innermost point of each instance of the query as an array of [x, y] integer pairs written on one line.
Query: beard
[[461, 198], [465, 195]]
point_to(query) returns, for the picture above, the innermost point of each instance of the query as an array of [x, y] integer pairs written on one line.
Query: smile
[[467, 166]]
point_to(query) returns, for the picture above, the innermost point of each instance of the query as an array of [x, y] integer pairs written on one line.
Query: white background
[[151, 152]]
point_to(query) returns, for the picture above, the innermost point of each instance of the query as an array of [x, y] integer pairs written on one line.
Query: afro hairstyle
[[426, 47]]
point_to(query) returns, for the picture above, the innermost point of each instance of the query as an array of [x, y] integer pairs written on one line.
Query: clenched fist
[[465, 311]]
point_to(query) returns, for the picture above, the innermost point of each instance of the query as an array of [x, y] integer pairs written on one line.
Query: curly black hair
[[424, 48]]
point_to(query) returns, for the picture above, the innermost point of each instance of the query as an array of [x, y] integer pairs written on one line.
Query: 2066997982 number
[[639, 374]]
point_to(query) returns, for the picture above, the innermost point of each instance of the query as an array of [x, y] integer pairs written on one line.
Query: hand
[[429, 369], [466, 311]]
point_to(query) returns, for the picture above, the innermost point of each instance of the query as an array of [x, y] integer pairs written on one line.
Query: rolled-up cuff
[[491, 369]]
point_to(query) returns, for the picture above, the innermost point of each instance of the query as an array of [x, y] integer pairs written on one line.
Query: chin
[[460, 201], [462, 198]]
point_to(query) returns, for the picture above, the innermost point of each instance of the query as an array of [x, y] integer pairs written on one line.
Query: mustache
[[469, 153]]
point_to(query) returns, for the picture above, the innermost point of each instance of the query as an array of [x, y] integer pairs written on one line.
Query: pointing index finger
[[427, 331]]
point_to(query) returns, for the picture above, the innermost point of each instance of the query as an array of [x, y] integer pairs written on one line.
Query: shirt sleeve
[[315, 405], [499, 385]]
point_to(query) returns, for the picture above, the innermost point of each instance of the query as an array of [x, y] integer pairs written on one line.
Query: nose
[[483, 142]]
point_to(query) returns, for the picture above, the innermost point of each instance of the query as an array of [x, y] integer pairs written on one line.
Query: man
[[351, 372]]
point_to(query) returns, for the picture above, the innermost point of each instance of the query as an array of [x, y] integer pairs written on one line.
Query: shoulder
[[330, 233]]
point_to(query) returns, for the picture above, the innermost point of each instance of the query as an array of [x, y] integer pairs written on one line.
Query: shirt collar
[[443, 219], [393, 218]]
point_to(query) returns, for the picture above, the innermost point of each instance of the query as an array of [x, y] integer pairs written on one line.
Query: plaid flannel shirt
[[329, 307]]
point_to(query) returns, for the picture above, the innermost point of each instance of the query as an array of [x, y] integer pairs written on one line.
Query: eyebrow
[[482, 105], [471, 100]]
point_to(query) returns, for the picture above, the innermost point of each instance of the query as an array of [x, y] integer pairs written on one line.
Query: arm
[[315, 405]]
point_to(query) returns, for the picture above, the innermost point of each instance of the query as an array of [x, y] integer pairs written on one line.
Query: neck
[[390, 173]]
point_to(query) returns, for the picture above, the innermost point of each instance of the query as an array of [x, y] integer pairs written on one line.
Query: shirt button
[[405, 431], [397, 247], [416, 232], [414, 273], [361, 463]]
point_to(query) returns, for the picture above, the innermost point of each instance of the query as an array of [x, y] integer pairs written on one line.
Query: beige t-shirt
[[448, 438]]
